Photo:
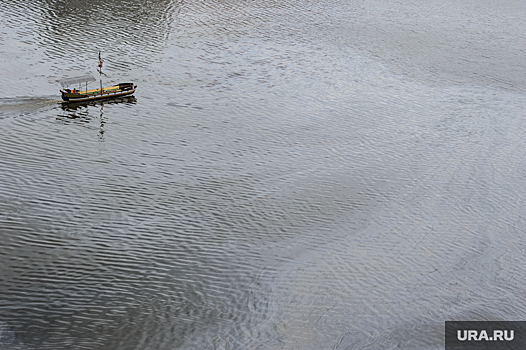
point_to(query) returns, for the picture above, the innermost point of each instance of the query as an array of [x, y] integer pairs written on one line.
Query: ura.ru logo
[[497, 335]]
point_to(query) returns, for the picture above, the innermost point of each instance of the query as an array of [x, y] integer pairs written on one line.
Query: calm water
[[289, 175]]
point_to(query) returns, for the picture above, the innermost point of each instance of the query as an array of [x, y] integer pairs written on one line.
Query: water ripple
[[283, 177]]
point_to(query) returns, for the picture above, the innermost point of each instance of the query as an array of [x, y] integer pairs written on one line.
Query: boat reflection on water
[[79, 112], [75, 106]]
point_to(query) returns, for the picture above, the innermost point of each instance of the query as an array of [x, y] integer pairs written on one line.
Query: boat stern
[[64, 94]]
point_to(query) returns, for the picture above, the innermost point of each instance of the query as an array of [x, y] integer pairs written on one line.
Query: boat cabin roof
[[77, 80]]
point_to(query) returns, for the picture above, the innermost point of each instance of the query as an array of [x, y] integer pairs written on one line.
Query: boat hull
[[123, 89]]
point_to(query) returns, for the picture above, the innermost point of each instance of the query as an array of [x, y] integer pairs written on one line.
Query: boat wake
[[25, 105]]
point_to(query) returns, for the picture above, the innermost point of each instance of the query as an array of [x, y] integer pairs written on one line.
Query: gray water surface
[[289, 175]]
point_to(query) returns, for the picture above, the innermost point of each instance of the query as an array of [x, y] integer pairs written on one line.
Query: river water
[[290, 174]]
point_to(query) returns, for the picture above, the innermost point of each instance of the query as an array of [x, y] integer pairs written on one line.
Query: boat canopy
[[77, 80]]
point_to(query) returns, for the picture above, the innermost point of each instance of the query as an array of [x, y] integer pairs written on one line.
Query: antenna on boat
[[100, 72]]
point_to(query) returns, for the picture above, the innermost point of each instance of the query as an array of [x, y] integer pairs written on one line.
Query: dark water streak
[[289, 175]]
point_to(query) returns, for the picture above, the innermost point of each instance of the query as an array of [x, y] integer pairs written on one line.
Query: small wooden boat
[[81, 95]]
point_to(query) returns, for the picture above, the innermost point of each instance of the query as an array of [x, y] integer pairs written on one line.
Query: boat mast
[[100, 72]]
